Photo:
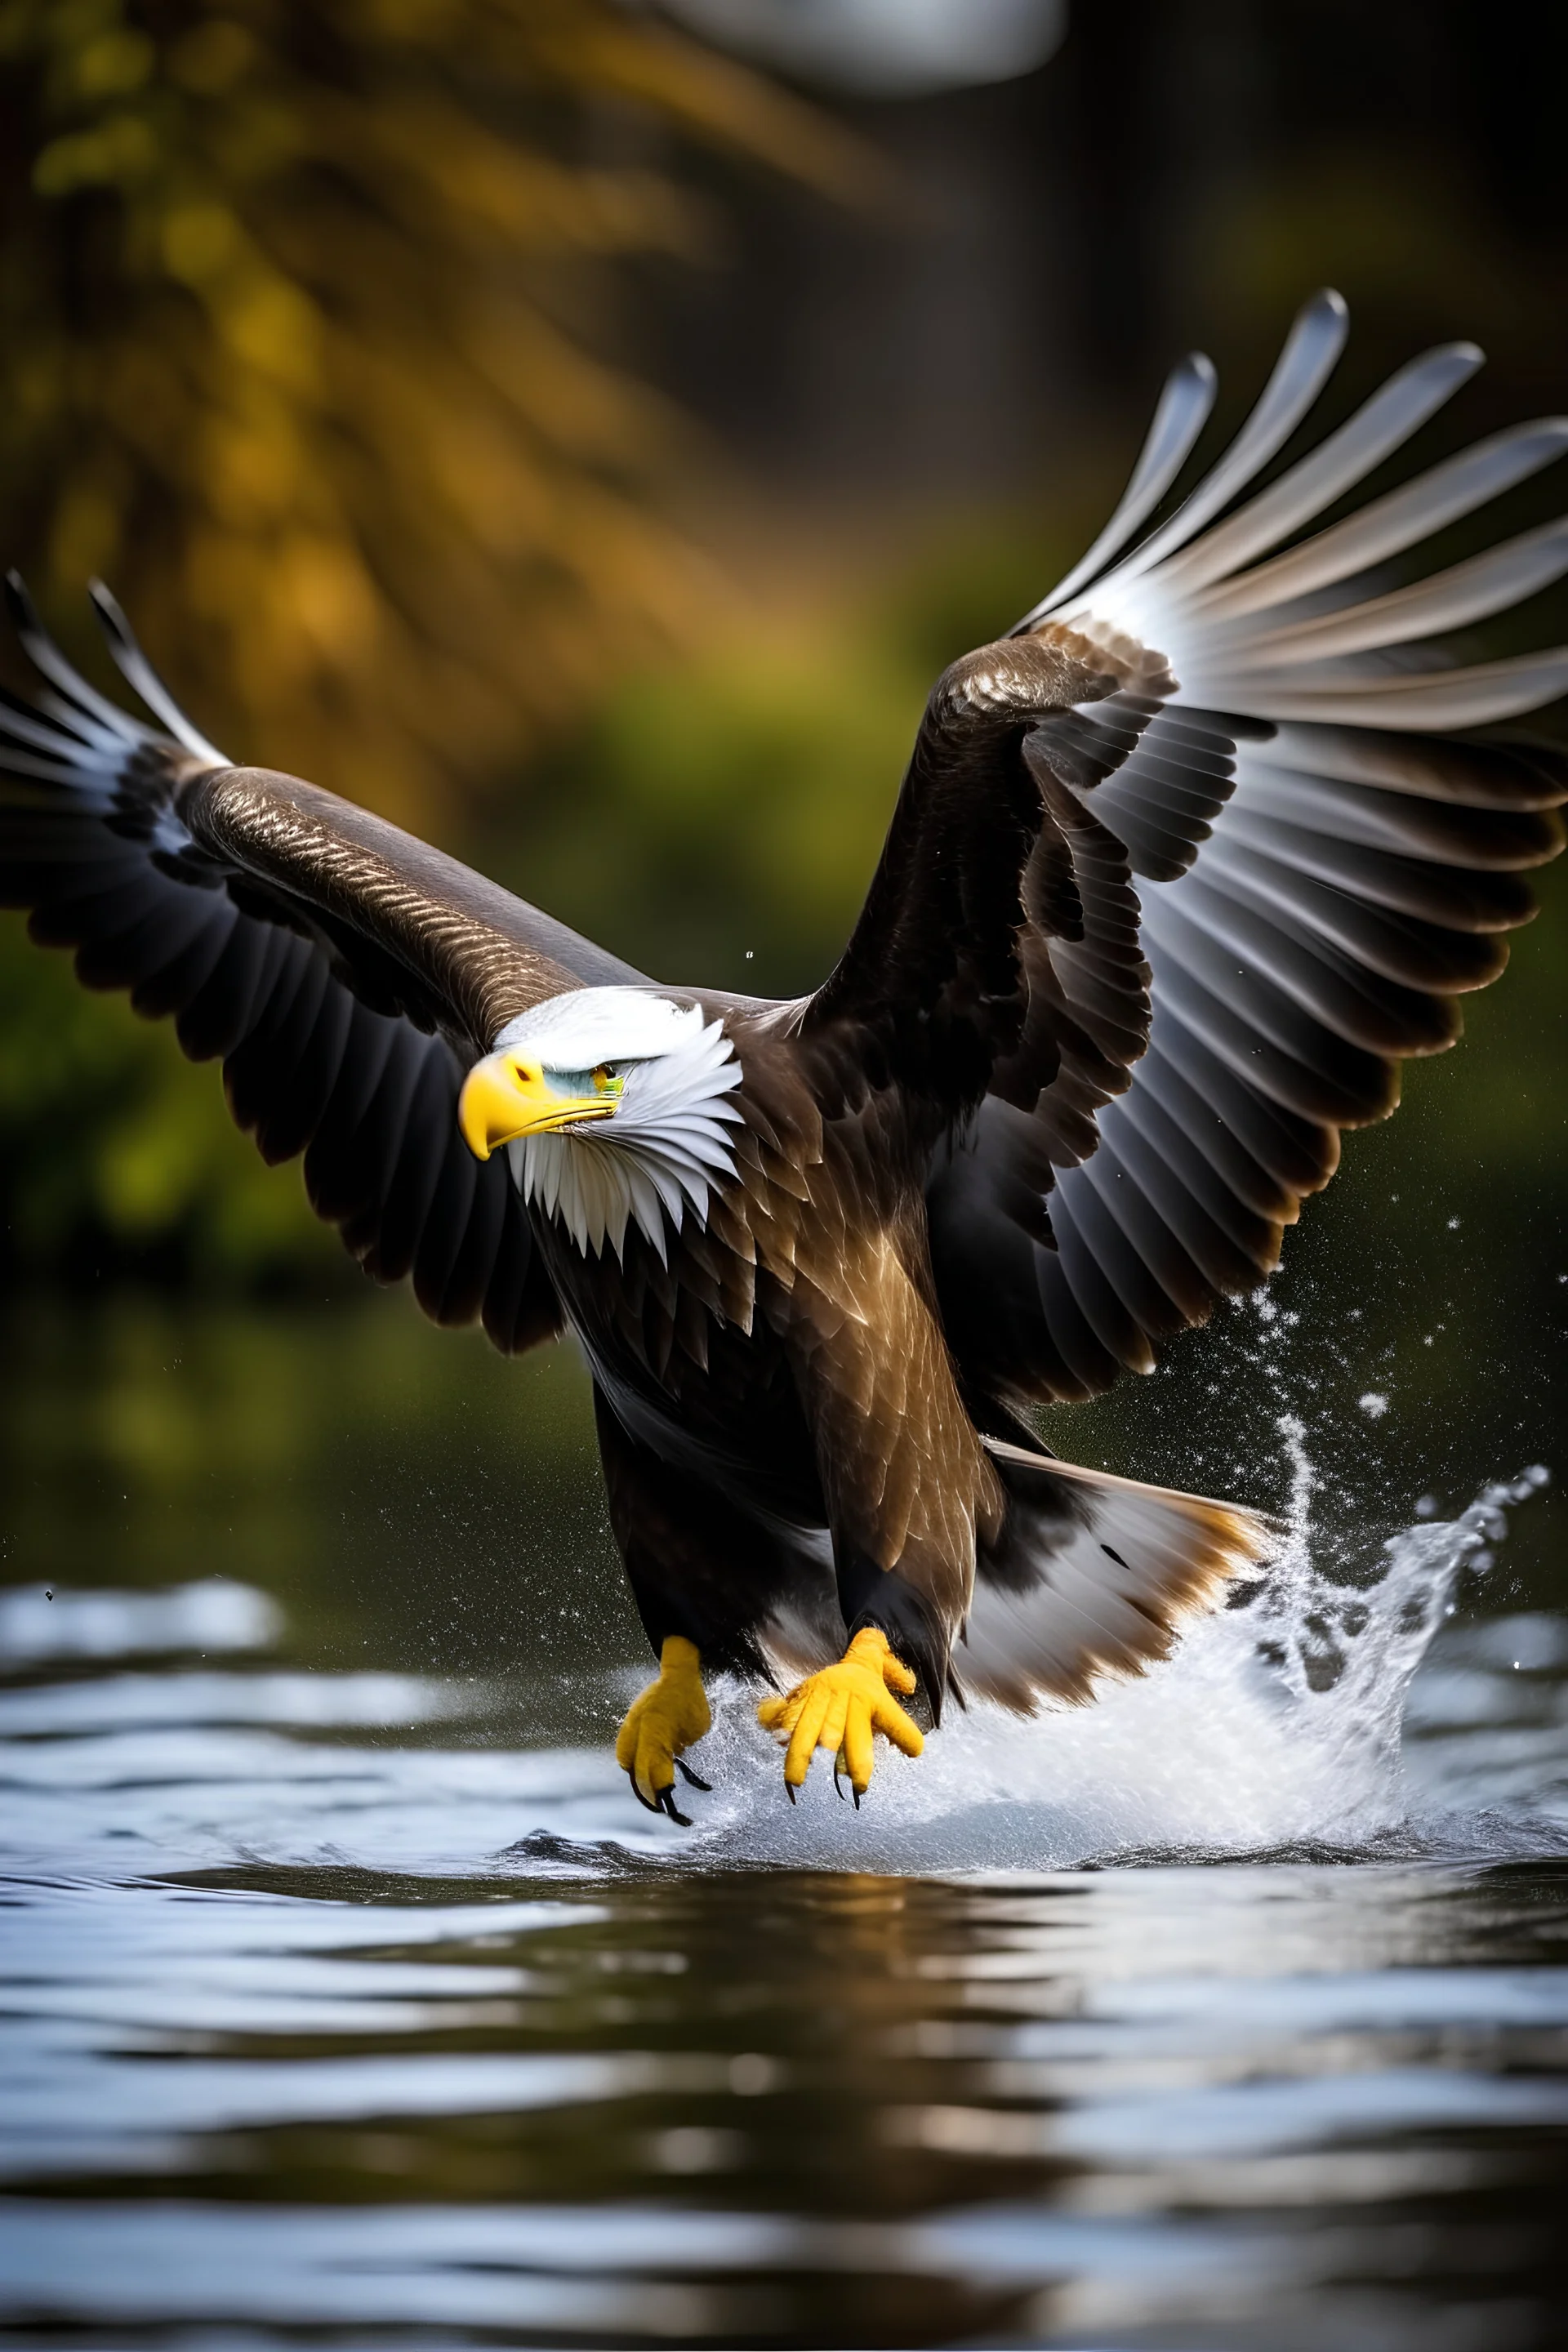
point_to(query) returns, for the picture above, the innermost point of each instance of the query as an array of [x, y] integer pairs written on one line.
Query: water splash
[[1276, 1725]]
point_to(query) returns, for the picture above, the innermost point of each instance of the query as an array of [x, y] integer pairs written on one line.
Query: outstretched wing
[[998, 948], [345, 973], [1319, 877]]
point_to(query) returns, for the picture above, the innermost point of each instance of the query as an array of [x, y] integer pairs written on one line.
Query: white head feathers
[[669, 1138]]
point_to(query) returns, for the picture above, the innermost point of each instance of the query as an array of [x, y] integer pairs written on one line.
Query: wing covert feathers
[[461, 952], [1320, 870]]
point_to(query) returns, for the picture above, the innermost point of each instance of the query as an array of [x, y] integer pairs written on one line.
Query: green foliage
[[720, 822], [718, 819], [295, 344]]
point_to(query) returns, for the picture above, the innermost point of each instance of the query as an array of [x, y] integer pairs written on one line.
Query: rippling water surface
[[355, 2003]]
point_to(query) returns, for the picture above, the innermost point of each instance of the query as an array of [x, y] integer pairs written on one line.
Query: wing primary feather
[[1181, 413], [1299, 1149], [36, 769], [1211, 1158], [1312, 351], [1273, 1049], [468, 1276], [22, 724], [1511, 777], [1136, 1249], [1414, 952], [1381, 425], [1401, 519], [143, 679], [1109, 1322], [1412, 702], [49, 662], [1332, 982], [1466, 593]]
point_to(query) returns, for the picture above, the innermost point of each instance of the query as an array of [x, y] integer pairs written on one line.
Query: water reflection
[[1159, 2106]]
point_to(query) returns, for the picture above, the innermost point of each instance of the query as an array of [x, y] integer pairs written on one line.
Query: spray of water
[[1274, 1727]]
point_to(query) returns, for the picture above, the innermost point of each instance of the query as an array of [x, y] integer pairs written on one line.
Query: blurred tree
[[298, 306]]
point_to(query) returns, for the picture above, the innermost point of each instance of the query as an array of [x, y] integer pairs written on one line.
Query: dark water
[[348, 1998]]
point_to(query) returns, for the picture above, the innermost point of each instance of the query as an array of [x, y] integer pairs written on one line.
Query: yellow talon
[[840, 1708], [662, 1724]]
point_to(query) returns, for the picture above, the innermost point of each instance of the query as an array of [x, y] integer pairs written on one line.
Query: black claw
[[691, 1779], [789, 1790], [664, 1802], [837, 1784], [857, 1799]]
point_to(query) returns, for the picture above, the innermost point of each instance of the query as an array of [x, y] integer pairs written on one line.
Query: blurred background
[[581, 432]]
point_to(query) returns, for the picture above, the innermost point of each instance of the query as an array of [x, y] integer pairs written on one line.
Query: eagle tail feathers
[[1092, 1576]]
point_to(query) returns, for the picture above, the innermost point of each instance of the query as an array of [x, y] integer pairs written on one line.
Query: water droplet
[[1372, 1404]]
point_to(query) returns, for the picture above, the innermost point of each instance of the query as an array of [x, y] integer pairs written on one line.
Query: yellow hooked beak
[[504, 1097]]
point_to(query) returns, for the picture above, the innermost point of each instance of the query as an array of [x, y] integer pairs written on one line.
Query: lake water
[[350, 2001]]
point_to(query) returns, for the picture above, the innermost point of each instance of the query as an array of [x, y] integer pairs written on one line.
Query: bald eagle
[[1179, 871]]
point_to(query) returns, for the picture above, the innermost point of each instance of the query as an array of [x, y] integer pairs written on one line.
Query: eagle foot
[[668, 1717], [841, 1708]]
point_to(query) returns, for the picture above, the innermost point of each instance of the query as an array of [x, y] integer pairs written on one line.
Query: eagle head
[[615, 1106]]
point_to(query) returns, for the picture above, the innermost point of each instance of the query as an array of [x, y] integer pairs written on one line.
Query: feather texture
[[1091, 1575], [1319, 876]]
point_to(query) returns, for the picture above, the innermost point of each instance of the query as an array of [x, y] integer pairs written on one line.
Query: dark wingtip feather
[[110, 615], [19, 604], [142, 678]]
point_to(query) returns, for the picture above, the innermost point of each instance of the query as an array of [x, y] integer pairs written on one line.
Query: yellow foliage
[[292, 353]]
